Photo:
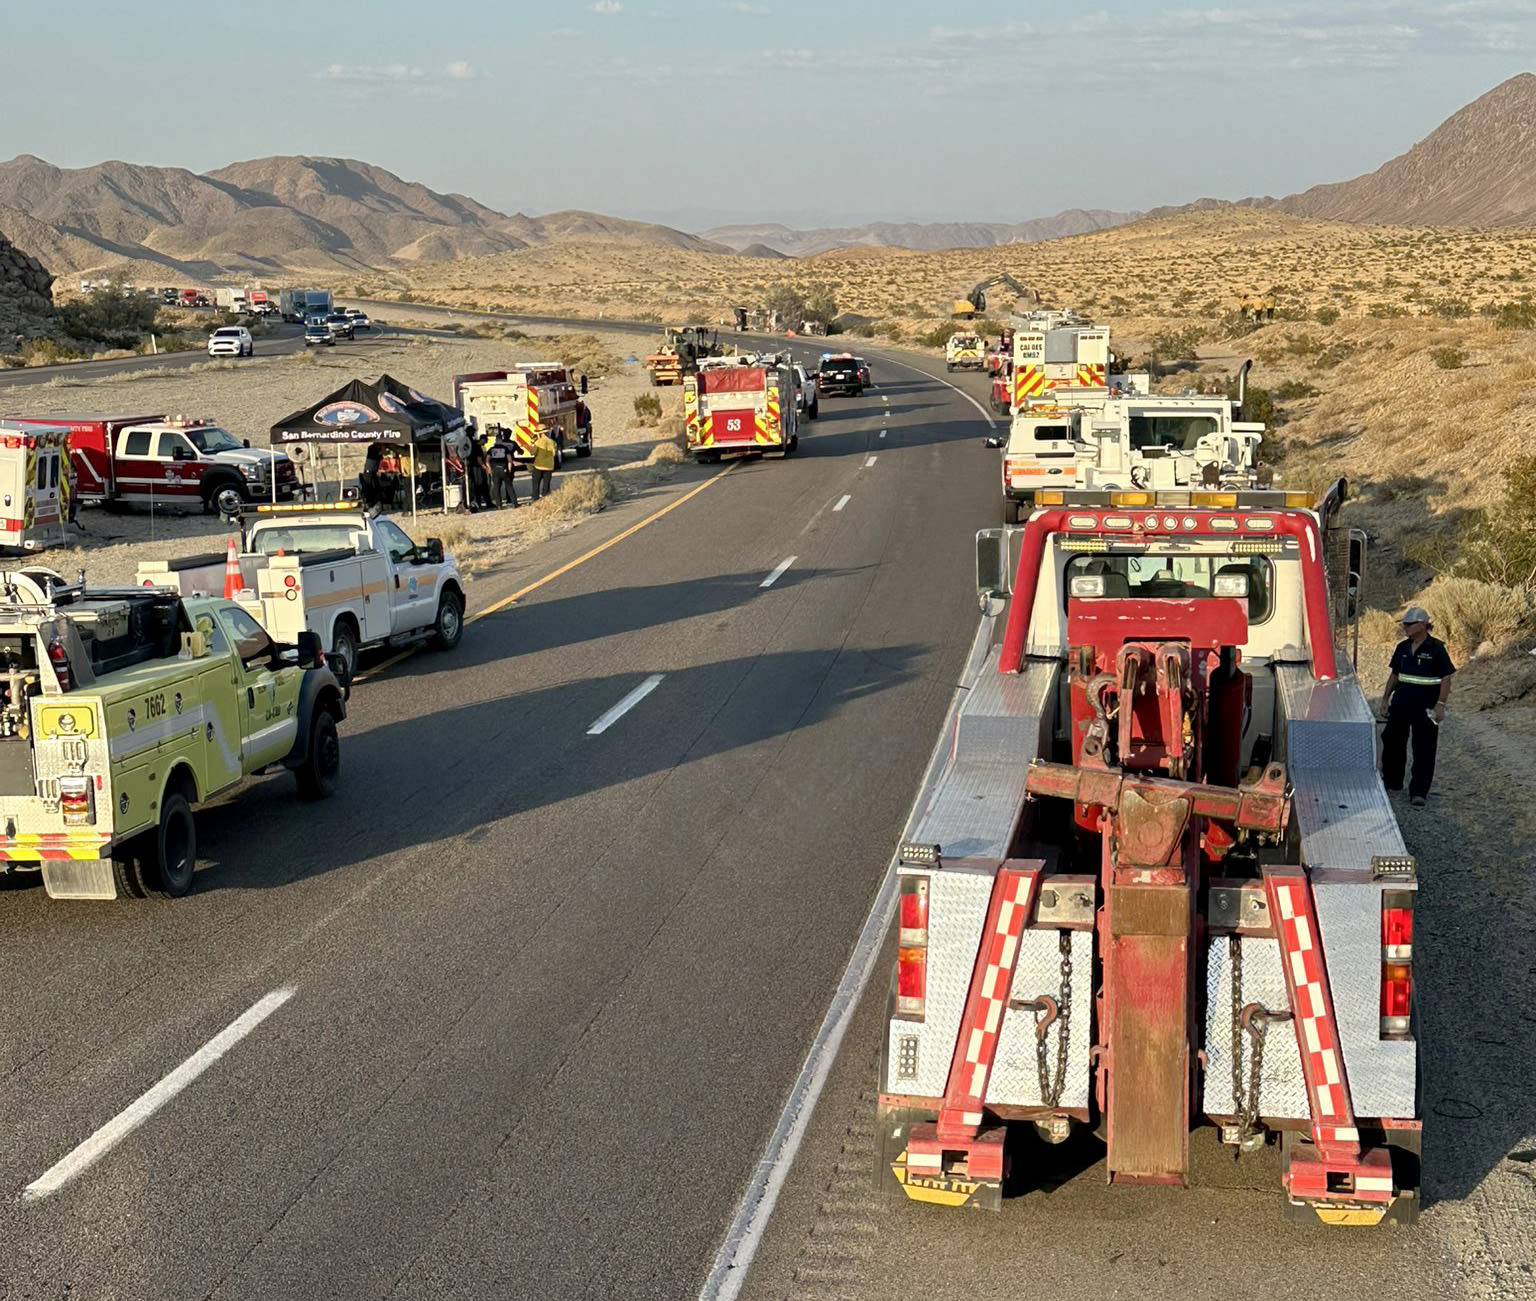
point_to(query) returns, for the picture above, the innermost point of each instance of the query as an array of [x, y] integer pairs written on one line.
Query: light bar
[[269, 509], [1085, 544], [1394, 867], [1257, 546], [1131, 499], [919, 855], [1213, 499], [1049, 497]]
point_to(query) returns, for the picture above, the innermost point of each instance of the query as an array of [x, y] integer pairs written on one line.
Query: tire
[[344, 646], [794, 445], [584, 450], [127, 868], [169, 857], [812, 411], [223, 496], [318, 775], [449, 625]]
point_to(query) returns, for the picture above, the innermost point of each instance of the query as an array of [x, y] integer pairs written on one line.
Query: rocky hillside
[[916, 235], [271, 215], [26, 297], [1478, 168]]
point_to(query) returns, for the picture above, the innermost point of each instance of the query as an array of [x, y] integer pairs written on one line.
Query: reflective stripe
[[1413, 680]]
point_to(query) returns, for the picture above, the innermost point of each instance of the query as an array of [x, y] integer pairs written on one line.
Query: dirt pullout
[[248, 398]]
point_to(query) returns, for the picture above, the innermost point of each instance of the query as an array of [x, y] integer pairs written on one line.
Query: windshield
[[226, 334], [213, 440], [296, 539], [1180, 432], [1150, 576], [316, 327]]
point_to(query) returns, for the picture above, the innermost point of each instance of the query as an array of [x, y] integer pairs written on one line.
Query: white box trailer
[[231, 300]]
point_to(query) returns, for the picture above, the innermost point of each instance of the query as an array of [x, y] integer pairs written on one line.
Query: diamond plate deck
[[1327, 724], [1016, 1074], [1382, 1073], [1283, 1086]]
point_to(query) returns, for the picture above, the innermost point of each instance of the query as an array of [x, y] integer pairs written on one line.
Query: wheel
[[225, 496], [812, 411], [584, 449], [449, 626], [344, 648], [794, 445], [318, 774], [170, 855], [127, 868], [949, 368]]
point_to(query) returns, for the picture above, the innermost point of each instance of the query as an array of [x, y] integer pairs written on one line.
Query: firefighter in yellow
[[543, 464]]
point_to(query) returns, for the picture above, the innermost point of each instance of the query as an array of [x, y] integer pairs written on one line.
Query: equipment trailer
[[1157, 882]]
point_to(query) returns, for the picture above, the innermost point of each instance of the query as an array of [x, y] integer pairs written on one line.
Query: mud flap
[[79, 878]]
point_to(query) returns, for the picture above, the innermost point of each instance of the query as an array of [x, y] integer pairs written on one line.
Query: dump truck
[[1106, 439], [355, 581], [681, 351], [123, 709], [1153, 882], [532, 397], [964, 351], [740, 407]]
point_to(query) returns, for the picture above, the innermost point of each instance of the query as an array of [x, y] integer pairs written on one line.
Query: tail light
[[59, 658], [77, 801], [912, 946], [1396, 962]]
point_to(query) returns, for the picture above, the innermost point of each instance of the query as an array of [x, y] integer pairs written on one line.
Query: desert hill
[[925, 236], [271, 215]]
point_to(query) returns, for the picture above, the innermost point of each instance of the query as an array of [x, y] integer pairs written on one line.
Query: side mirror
[[311, 653], [432, 552], [183, 453], [993, 441], [245, 442], [992, 577]]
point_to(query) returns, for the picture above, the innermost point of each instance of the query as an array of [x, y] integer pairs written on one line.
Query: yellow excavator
[[975, 303]]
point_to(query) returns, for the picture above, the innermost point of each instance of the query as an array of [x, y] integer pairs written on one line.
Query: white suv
[[231, 341]]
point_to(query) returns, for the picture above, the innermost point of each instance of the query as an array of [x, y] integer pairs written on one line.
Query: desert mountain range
[[287, 214]]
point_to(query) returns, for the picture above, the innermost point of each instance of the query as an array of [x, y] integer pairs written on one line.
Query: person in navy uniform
[[1414, 705]]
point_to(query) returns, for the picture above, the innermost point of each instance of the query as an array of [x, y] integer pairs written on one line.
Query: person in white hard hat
[[1414, 706]]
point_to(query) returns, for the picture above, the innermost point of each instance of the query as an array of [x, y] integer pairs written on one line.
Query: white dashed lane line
[[778, 572], [843, 501], [613, 715], [869, 462], [145, 1106]]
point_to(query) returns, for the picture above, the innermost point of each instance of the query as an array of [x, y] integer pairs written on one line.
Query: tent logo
[[391, 403], [345, 413]]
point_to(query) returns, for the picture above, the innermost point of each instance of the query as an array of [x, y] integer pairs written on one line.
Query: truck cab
[[194, 462]]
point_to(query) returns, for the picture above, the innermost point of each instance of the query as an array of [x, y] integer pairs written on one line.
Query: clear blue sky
[[808, 111]]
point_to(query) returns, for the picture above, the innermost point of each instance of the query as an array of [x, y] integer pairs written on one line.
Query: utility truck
[[1152, 881], [740, 406], [123, 709], [533, 397], [167, 460], [964, 351], [1104, 439], [354, 581]]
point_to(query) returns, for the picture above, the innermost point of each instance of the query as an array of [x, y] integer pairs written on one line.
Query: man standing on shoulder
[[1414, 705], [543, 464]]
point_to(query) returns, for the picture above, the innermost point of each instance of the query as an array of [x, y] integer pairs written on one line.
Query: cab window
[[206, 624], [1179, 576], [136, 442], [249, 637], [1177, 433], [171, 444], [399, 546]]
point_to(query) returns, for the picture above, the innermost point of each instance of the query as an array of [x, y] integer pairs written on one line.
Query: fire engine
[[740, 406], [1153, 881], [533, 396]]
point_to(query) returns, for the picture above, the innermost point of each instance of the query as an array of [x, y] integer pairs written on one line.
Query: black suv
[[839, 375]]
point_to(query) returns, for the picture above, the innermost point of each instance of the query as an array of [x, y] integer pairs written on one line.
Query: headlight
[[251, 471]]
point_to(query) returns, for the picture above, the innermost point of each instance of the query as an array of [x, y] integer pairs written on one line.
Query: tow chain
[[1253, 1018], [1050, 1090]]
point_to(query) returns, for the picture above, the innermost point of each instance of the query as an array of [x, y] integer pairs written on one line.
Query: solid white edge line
[[869, 461], [843, 501], [145, 1106], [742, 1239], [778, 573], [991, 423], [612, 716]]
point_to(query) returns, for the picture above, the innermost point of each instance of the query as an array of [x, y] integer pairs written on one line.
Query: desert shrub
[[578, 494], [1175, 345], [1258, 404], [1326, 315], [1452, 309], [1499, 546], [1386, 311], [669, 452], [1471, 614], [647, 409], [936, 337], [890, 330], [110, 316], [1515, 316], [1334, 353], [1448, 357], [45, 352], [1292, 389]]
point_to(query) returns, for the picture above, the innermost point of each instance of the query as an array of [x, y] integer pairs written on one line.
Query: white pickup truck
[[356, 582]]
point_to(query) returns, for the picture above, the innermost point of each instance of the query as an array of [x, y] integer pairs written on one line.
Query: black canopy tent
[[384, 411]]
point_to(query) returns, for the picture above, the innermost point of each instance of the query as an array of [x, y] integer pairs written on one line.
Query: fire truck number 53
[[733, 425]]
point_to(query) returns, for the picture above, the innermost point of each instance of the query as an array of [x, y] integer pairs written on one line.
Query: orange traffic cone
[[233, 580]]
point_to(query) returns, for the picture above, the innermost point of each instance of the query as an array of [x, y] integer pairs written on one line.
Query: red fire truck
[[739, 406]]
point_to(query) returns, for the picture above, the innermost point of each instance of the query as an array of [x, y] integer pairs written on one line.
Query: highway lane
[[550, 988]]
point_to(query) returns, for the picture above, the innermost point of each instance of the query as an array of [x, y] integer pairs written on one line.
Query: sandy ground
[[247, 399]]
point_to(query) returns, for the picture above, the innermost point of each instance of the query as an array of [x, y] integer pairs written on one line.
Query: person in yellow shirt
[[543, 464]]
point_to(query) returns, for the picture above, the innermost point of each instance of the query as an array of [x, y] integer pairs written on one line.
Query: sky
[[809, 112]]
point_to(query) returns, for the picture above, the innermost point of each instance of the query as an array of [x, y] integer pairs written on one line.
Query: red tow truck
[[1154, 882], [161, 460]]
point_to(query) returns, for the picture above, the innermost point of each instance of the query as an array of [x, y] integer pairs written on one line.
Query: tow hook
[[1045, 1003]]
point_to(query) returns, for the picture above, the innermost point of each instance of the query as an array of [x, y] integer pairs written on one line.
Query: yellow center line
[[564, 569]]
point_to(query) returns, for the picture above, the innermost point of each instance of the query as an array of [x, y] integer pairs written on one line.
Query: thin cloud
[[376, 74], [367, 79], [608, 7], [460, 71]]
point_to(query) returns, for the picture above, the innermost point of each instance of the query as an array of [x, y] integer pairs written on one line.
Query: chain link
[[1050, 1090], [1245, 1109]]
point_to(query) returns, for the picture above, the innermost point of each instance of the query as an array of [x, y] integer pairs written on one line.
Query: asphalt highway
[[534, 996]]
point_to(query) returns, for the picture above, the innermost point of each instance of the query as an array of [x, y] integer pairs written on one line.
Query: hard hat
[[1415, 614]]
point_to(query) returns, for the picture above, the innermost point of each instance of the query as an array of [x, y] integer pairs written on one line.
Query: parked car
[[231, 341], [339, 324], [318, 333]]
